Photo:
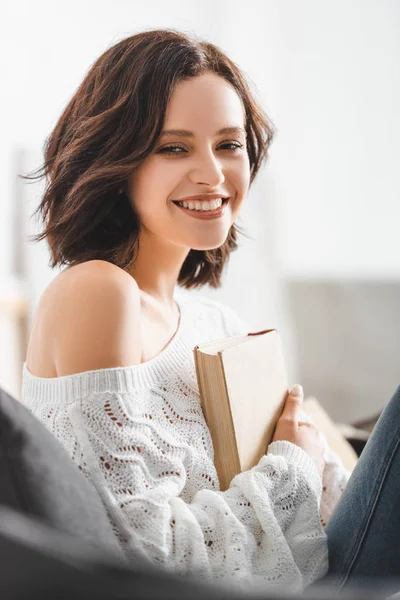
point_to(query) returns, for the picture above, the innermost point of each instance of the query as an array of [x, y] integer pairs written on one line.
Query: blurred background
[[321, 263]]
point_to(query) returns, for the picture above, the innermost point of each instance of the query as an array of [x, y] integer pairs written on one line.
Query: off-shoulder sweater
[[139, 435]]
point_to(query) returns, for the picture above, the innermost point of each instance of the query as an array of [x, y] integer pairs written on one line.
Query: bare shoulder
[[95, 315]]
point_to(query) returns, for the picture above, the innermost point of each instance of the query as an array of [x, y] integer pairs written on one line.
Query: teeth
[[202, 205]]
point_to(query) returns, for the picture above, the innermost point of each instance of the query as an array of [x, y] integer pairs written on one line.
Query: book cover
[[243, 387]]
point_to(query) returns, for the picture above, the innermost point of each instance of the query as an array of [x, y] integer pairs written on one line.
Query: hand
[[292, 427]]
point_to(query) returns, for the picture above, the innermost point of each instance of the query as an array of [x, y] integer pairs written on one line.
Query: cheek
[[149, 193], [241, 182], [241, 178], [158, 180]]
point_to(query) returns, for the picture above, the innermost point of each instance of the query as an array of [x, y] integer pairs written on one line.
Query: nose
[[208, 171]]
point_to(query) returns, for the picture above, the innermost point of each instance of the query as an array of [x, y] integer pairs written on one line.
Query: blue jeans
[[364, 529]]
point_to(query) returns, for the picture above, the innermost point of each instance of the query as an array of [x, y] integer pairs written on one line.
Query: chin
[[209, 246], [209, 241]]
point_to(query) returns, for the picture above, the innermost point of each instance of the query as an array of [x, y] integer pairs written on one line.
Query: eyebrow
[[186, 133]]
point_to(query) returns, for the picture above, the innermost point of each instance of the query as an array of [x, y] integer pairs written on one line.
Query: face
[[207, 161]]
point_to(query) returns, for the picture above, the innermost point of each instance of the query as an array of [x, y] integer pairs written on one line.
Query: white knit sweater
[[139, 434]]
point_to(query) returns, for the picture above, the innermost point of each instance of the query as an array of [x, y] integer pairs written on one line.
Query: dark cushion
[[55, 565], [39, 479]]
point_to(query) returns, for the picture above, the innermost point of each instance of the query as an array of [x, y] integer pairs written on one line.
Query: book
[[243, 387]]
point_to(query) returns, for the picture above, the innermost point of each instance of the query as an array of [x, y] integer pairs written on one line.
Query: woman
[[161, 117]]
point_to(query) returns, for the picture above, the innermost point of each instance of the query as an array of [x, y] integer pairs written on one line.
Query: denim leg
[[364, 529]]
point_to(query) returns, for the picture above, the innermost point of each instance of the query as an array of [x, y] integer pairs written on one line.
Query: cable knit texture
[[139, 434]]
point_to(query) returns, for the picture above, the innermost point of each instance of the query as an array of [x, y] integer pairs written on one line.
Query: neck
[[156, 269]]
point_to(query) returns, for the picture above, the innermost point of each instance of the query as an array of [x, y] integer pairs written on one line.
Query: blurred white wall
[[327, 74], [339, 152]]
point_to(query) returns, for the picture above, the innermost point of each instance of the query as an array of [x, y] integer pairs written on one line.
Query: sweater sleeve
[[264, 528]]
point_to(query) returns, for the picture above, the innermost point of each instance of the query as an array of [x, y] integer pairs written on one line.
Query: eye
[[171, 149], [235, 146]]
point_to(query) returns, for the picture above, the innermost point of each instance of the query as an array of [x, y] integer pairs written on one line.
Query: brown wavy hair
[[110, 125]]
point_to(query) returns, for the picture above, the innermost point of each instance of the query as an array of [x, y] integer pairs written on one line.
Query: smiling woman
[[161, 119]]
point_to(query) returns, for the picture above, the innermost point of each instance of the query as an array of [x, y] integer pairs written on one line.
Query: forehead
[[206, 102]]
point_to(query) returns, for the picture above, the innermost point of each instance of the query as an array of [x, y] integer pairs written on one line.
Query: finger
[[294, 403]]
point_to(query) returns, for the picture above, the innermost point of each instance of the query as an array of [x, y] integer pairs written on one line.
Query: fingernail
[[297, 390]]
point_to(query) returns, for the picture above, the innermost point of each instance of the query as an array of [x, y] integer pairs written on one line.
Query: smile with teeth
[[203, 205]]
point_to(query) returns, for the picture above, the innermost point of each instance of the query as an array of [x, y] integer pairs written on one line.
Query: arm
[[265, 527]]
